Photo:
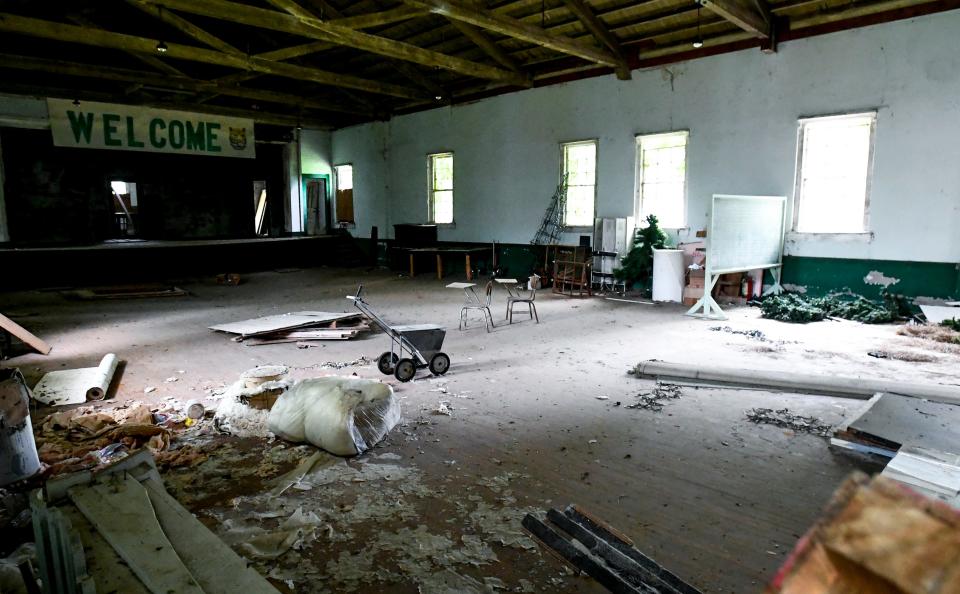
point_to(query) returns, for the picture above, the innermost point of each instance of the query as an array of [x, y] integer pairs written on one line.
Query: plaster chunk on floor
[[344, 416]]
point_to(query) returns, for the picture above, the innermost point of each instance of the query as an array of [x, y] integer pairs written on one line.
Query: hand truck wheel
[[405, 370], [439, 364], [386, 362]]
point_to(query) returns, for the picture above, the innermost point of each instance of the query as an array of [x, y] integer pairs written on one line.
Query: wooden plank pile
[[603, 553], [298, 327], [876, 536]]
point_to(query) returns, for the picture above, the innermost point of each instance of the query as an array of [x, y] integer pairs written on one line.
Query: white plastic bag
[[344, 416]]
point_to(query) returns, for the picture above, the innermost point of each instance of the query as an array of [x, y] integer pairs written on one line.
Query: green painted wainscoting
[[819, 276]]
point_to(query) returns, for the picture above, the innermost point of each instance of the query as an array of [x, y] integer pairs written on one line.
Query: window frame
[[596, 179], [638, 176], [430, 189], [336, 188], [868, 187]]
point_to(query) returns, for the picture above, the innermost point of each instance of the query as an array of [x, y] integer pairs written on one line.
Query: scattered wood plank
[[282, 322], [24, 335], [123, 515], [125, 292], [582, 561], [214, 565], [933, 473], [888, 421]]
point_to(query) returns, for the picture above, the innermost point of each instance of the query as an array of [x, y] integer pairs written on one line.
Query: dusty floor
[[713, 497]]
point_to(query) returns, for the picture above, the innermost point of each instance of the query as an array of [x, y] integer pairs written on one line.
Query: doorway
[[125, 208], [260, 227]]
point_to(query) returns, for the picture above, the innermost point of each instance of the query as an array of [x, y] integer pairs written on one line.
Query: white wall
[[741, 110], [365, 147]]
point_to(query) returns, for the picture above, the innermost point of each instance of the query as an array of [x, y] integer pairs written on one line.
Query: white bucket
[[668, 275], [18, 450]]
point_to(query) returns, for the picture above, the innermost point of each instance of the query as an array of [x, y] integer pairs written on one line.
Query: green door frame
[[304, 178]]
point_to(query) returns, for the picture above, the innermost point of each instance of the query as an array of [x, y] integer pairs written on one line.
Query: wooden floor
[[716, 499]]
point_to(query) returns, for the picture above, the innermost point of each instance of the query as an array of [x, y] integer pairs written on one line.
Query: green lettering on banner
[[212, 141], [132, 134], [81, 124], [155, 140], [195, 137], [110, 129], [175, 134]]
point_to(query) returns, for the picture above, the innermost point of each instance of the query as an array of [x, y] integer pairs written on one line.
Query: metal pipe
[[861, 388]]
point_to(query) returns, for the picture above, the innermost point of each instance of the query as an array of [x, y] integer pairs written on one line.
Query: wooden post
[[469, 269], [439, 267], [411, 265]]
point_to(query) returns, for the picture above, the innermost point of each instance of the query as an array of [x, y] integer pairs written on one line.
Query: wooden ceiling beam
[[742, 13], [603, 35], [492, 21], [149, 60], [480, 39], [95, 37], [9, 61], [178, 22], [300, 23], [377, 19]]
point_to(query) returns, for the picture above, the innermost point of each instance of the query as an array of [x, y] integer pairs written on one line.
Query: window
[[662, 178], [344, 198], [440, 172], [834, 159], [580, 171]]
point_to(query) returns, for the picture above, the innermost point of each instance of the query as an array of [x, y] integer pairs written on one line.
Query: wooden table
[[440, 252]]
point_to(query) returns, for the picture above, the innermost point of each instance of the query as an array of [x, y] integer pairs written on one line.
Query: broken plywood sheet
[[891, 420], [277, 323], [24, 335], [930, 472], [123, 514], [74, 386], [936, 314]]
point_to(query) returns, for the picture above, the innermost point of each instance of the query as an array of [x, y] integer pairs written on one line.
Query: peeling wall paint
[[794, 288], [875, 277]]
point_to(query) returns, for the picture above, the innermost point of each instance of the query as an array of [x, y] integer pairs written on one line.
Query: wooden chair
[[483, 306], [527, 298]]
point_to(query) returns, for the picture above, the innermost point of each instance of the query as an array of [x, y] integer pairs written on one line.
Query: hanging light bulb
[[698, 42], [162, 47]]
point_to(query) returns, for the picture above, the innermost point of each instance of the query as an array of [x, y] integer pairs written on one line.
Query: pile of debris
[[655, 399], [942, 334], [791, 307], [754, 334], [788, 420], [300, 327], [88, 437]]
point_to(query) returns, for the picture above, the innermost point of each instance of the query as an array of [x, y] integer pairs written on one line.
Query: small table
[[439, 252], [468, 290], [508, 284]]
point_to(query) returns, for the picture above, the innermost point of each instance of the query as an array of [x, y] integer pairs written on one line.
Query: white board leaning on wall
[[744, 233]]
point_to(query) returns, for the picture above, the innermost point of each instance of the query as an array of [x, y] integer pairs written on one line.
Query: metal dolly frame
[[422, 342]]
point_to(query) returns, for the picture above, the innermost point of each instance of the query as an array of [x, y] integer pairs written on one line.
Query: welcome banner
[[137, 128]]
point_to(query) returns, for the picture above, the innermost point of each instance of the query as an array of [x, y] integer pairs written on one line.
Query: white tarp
[[343, 415], [73, 386]]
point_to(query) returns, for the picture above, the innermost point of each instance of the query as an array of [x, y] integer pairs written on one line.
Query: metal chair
[[527, 298], [483, 306]]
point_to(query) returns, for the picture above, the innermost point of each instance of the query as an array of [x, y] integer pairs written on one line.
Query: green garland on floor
[[952, 323], [791, 307]]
